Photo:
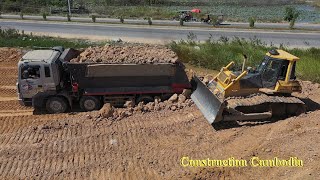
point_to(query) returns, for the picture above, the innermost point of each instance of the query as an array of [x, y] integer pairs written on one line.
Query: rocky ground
[[146, 141], [127, 54]]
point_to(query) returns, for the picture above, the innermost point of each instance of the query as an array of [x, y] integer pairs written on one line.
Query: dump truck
[[47, 80], [251, 94]]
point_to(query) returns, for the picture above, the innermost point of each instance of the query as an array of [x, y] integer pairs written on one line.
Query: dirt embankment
[[127, 54], [9, 55], [147, 144]]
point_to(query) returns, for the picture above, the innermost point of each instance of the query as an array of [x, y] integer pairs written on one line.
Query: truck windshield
[[263, 64], [30, 72]]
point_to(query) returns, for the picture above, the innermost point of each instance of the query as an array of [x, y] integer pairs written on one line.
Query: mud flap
[[210, 105]]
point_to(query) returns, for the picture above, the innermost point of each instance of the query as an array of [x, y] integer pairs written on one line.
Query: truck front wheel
[[90, 103], [56, 105]]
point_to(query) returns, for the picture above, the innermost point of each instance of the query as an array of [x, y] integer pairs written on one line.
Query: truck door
[[30, 83]]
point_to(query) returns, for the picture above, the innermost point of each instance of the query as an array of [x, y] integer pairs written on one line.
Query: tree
[[252, 21], [291, 16]]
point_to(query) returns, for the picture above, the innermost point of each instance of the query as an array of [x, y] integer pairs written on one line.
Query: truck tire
[[56, 105], [90, 103], [145, 99]]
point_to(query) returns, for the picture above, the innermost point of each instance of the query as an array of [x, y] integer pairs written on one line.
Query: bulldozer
[[251, 94]]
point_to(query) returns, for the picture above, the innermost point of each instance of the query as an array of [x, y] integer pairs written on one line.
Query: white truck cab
[[38, 71]]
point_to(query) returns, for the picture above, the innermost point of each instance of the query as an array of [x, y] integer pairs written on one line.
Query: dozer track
[[278, 106]]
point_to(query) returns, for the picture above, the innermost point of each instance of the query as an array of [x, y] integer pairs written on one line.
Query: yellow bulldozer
[[258, 94]]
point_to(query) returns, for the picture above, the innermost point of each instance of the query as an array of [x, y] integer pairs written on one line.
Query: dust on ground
[[146, 144]]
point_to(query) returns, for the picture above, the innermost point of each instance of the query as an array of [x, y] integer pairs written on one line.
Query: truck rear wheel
[[56, 105], [90, 103]]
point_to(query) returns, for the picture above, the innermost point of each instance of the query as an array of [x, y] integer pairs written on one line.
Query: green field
[[231, 12], [234, 10]]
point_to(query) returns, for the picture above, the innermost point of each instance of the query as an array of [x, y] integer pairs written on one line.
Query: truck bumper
[[21, 102]]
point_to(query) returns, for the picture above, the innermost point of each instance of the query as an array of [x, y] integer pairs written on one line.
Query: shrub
[[44, 16], [291, 24], [291, 15], [68, 17], [93, 17], [9, 33], [121, 19], [252, 21], [150, 21], [21, 14], [181, 22], [214, 20]]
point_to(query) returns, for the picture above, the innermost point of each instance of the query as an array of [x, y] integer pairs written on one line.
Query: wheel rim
[[89, 104], [56, 106]]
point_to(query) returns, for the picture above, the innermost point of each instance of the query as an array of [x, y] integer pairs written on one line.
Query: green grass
[[232, 12], [135, 12], [308, 67], [14, 38], [214, 54]]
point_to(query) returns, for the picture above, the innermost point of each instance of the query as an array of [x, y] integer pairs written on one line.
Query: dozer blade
[[208, 103]]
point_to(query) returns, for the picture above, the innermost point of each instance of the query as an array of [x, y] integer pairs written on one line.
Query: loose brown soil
[[146, 145], [127, 54]]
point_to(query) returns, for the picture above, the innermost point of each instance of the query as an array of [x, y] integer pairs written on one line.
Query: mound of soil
[[10, 54], [127, 54], [174, 103]]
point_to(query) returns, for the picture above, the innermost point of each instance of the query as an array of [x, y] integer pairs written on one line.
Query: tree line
[[17, 5]]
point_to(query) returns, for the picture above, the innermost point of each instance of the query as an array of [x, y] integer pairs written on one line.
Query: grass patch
[[15, 38], [136, 12], [214, 54]]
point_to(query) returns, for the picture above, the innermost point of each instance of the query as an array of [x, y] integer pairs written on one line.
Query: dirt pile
[[10, 54], [309, 88], [174, 103], [127, 54]]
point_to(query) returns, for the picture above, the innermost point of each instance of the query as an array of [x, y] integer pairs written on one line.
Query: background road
[[162, 34], [305, 26]]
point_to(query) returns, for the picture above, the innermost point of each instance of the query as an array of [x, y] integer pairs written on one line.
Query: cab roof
[[41, 55], [281, 54]]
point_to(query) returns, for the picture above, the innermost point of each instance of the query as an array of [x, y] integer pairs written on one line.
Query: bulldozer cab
[[272, 70], [278, 70]]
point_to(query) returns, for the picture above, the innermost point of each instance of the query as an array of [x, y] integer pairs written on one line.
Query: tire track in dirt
[[6, 92], [8, 74], [81, 135]]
